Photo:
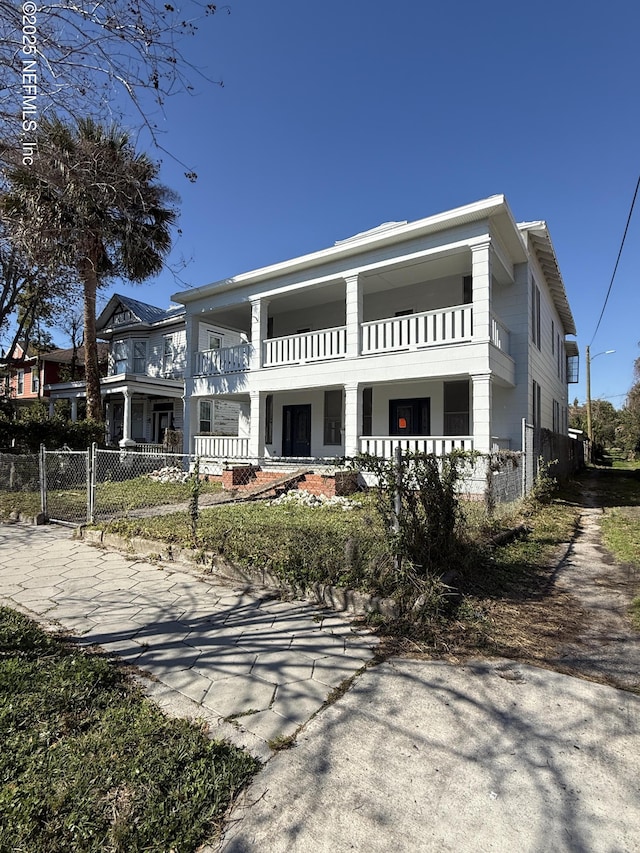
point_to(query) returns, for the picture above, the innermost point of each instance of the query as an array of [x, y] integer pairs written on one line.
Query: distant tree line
[[613, 429]]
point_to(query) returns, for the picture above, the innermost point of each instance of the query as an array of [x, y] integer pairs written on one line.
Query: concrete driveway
[[426, 756]]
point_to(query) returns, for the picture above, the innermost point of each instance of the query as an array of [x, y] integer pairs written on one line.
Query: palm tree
[[89, 203]]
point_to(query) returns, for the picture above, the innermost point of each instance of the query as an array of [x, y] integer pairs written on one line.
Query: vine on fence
[[418, 500]]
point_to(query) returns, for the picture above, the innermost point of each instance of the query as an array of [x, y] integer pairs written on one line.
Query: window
[[456, 408], [268, 419], [467, 290], [20, 382], [556, 416], [139, 356], [123, 316], [206, 416], [333, 417], [35, 380], [535, 314], [120, 356], [167, 355], [410, 417], [559, 355], [553, 338], [537, 405], [367, 411], [214, 341]]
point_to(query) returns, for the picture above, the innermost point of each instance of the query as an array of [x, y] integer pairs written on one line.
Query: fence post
[[43, 480], [92, 454], [397, 501]]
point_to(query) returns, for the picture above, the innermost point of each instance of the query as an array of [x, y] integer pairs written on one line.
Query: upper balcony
[[448, 326]]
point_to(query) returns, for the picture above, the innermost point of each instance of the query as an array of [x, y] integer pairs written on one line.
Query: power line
[[624, 237]]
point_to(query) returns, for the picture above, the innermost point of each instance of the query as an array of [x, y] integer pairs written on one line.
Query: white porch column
[[257, 418], [353, 315], [481, 403], [481, 278], [191, 420], [259, 316], [126, 420], [192, 327], [352, 418], [74, 409]]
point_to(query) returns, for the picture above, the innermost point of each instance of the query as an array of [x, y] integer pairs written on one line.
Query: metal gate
[[65, 486]]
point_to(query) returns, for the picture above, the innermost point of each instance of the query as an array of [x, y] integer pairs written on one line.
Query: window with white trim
[[140, 357], [120, 356], [167, 355], [20, 382], [205, 420], [535, 314], [35, 380]]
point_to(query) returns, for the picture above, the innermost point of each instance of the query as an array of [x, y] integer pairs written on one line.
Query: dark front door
[[296, 430], [410, 417]]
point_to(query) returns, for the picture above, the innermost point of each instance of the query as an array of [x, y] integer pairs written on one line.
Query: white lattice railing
[[221, 446], [448, 325], [224, 360], [307, 346], [499, 335], [385, 445]]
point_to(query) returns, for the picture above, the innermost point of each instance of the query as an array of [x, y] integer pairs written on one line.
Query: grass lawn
[[88, 765]]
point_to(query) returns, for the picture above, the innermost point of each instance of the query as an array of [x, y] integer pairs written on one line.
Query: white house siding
[[543, 361], [229, 337], [155, 352]]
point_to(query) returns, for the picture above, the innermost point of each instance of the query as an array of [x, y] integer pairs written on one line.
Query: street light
[[589, 360]]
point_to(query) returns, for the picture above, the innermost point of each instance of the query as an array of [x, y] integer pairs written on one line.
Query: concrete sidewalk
[[214, 651], [427, 756]]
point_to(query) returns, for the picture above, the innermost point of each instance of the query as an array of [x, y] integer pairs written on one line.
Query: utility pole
[[589, 418]]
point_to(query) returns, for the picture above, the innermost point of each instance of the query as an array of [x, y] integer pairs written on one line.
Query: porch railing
[[221, 446], [306, 346], [385, 445], [448, 325], [224, 360]]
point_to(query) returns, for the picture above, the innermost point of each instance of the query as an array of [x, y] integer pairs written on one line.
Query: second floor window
[[120, 356], [20, 382], [167, 355], [139, 356], [35, 380]]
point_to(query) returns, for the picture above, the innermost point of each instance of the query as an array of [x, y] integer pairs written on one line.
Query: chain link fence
[[64, 483], [134, 483], [79, 487]]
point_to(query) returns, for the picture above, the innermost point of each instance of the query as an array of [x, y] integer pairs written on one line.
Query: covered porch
[[337, 421]]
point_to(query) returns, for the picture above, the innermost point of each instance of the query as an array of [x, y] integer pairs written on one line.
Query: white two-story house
[[437, 334]]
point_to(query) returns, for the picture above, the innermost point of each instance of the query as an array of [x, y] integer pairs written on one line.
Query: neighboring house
[[29, 376], [437, 334], [143, 386]]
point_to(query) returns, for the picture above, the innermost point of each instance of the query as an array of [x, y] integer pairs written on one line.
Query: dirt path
[[607, 647]]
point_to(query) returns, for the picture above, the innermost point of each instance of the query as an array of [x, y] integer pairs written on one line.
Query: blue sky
[[340, 115]]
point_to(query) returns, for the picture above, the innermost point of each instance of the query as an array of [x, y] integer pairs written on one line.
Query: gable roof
[[143, 313]]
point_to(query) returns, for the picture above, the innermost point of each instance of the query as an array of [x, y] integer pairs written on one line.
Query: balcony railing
[[393, 334], [224, 360], [499, 335], [307, 346], [221, 446], [385, 445], [448, 325]]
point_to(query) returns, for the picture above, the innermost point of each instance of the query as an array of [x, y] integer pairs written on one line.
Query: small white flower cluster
[[301, 497], [170, 474]]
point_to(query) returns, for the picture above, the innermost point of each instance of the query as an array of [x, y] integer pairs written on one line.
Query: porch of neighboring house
[[136, 411]]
